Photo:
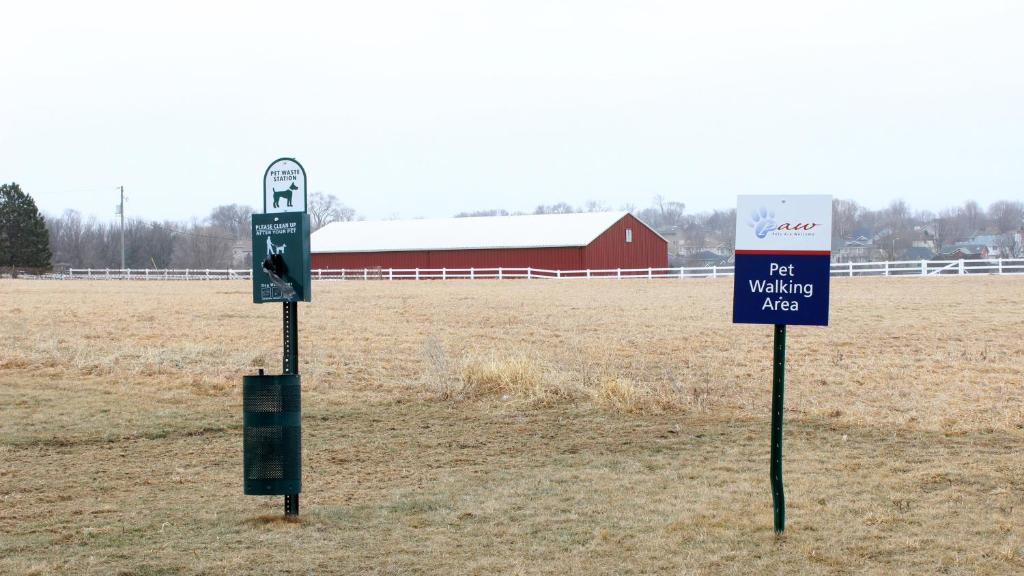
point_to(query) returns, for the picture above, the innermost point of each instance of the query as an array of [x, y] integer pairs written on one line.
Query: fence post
[[319, 273], [186, 273], [886, 273], [924, 267], [472, 274], [999, 266], [529, 273], [444, 273], [207, 273], [650, 273], [851, 268], [391, 273], [417, 273], [588, 272], [558, 273], [714, 271], [960, 267], [618, 272], [499, 273]]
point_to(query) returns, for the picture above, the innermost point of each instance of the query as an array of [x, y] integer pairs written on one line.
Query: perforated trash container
[[272, 451]]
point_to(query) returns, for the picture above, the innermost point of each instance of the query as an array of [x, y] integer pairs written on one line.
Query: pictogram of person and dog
[[274, 248]]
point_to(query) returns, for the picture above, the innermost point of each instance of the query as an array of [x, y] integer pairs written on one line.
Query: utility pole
[[122, 227]]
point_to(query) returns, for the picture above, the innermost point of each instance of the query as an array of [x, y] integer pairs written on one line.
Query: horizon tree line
[[220, 240], [31, 240]]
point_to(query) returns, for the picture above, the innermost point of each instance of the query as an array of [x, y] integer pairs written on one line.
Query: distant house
[[862, 235], [922, 237], [854, 250], [674, 236], [706, 259], [963, 251], [990, 241], [862, 245], [918, 253]]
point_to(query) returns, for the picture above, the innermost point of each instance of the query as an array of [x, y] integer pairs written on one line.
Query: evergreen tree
[[24, 241]]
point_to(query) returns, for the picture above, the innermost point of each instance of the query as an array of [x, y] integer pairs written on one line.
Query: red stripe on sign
[[790, 252]]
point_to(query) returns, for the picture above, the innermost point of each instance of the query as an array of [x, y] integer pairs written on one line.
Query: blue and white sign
[[783, 254]]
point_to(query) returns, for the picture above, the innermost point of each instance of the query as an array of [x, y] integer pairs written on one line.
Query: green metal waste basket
[[272, 451]]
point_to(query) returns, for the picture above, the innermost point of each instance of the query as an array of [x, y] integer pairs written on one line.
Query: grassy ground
[[514, 427]]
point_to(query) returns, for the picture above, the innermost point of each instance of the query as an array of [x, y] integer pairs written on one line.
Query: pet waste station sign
[[272, 403], [783, 262], [284, 187], [280, 249]]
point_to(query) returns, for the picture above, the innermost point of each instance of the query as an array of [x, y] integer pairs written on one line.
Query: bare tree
[[972, 216], [67, 238], [897, 235], [845, 214], [1008, 244], [559, 208], [198, 246], [664, 214], [721, 224], [897, 217], [949, 227], [478, 213], [149, 244], [1006, 215], [671, 212], [233, 219], [326, 208], [695, 235]]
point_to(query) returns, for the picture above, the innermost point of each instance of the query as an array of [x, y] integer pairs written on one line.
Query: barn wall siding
[[371, 260], [548, 258], [610, 249]]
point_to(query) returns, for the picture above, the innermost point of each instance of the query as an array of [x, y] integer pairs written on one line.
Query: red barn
[[594, 240]]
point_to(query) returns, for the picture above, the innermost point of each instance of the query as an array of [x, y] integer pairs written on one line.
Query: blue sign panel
[[781, 288]]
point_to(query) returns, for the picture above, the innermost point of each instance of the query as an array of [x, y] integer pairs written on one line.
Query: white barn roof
[[533, 231]]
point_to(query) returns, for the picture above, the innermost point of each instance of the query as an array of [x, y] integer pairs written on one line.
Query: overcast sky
[[427, 108]]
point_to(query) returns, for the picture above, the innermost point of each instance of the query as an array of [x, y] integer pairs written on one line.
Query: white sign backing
[[284, 187], [784, 223]]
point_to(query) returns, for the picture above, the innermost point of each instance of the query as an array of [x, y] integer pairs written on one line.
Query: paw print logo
[[762, 221]]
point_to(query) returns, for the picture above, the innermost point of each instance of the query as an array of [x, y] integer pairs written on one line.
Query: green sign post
[[272, 415], [778, 388]]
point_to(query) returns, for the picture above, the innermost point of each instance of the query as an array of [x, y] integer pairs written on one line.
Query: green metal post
[[778, 384], [291, 366], [291, 338]]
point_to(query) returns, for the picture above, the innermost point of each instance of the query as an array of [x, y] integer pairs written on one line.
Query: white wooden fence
[[900, 268]]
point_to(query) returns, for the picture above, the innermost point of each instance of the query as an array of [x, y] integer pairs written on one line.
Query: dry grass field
[[517, 427]]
